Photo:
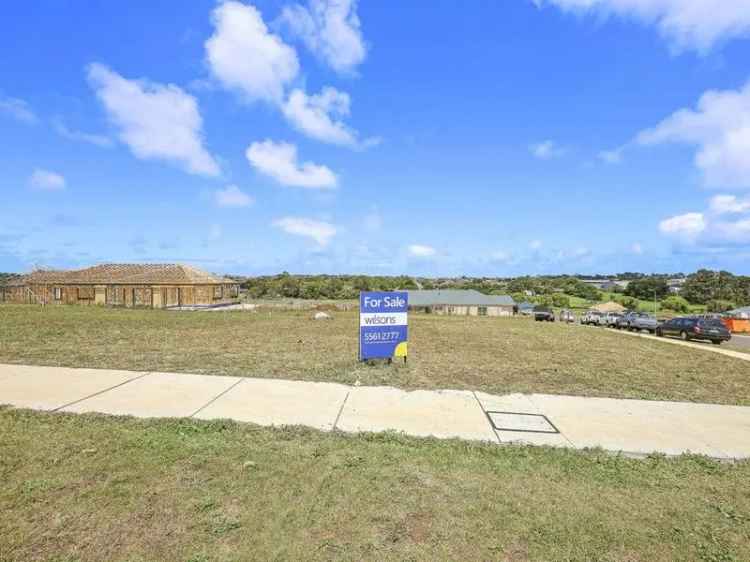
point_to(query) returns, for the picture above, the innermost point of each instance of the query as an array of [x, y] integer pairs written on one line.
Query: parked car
[[643, 321], [623, 322], [695, 329], [567, 316], [610, 319], [591, 317], [543, 314]]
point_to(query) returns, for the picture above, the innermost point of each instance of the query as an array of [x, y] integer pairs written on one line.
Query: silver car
[[567, 316], [643, 321]]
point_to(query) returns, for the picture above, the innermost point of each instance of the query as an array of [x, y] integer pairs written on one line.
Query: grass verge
[[79, 488]]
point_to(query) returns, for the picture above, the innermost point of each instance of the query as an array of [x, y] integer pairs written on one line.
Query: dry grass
[[80, 488], [490, 354]]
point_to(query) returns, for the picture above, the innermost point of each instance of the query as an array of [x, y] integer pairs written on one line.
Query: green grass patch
[[495, 355], [98, 488]]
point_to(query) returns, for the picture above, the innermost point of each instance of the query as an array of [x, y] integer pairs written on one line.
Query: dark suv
[[543, 314], [695, 329]]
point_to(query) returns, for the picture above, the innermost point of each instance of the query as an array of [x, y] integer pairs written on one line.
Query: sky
[[446, 138]]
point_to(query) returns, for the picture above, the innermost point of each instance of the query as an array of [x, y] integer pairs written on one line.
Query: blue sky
[[332, 136]]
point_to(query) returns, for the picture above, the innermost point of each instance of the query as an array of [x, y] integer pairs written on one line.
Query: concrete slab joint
[[638, 427]]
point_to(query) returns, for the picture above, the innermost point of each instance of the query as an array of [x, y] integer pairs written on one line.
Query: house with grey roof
[[461, 303]]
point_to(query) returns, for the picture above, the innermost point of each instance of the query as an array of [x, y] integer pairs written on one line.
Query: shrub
[[675, 303]]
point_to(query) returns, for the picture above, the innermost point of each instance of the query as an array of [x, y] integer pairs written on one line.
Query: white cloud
[[232, 196], [636, 248], [91, 138], [421, 251], [687, 226], [712, 229], [320, 232], [243, 55], [547, 150], [44, 180], [279, 161], [330, 29], [156, 121], [728, 204], [720, 128], [535, 244], [737, 232], [315, 115], [686, 24], [18, 109]]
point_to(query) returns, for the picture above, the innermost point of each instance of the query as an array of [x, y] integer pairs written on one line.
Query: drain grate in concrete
[[516, 421]]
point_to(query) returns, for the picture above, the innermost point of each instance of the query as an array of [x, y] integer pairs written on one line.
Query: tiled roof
[[156, 273], [457, 297]]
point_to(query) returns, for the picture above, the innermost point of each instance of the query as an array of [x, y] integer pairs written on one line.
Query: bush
[[675, 303], [628, 302], [560, 300]]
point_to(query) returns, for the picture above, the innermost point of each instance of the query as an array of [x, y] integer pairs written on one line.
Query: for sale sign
[[383, 326]]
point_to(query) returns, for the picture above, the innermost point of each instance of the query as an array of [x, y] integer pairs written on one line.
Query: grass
[[80, 488], [490, 354]]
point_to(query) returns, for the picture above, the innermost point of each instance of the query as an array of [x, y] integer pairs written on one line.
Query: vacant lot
[[491, 354], [96, 488]]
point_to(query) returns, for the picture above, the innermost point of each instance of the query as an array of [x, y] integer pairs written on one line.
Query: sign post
[[383, 325]]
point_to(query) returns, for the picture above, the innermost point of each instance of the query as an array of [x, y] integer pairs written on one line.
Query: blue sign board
[[383, 328]]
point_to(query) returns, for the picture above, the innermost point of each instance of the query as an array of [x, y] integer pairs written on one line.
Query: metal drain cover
[[516, 421]]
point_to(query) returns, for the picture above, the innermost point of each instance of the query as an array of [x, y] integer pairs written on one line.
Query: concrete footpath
[[635, 427]]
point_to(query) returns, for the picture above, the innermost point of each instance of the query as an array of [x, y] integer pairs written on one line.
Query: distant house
[[128, 285], [461, 303], [675, 285]]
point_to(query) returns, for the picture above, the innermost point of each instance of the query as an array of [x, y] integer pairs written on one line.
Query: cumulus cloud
[[421, 251], [330, 29], [316, 115], [279, 161], [156, 121], [720, 129], [726, 222], [244, 55], [547, 150], [728, 204], [44, 180], [18, 109], [319, 231], [687, 226], [80, 136], [232, 196], [686, 24]]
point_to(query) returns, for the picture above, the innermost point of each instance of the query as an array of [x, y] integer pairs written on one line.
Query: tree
[[648, 288], [560, 300], [675, 303], [719, 305], [705, 285]]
